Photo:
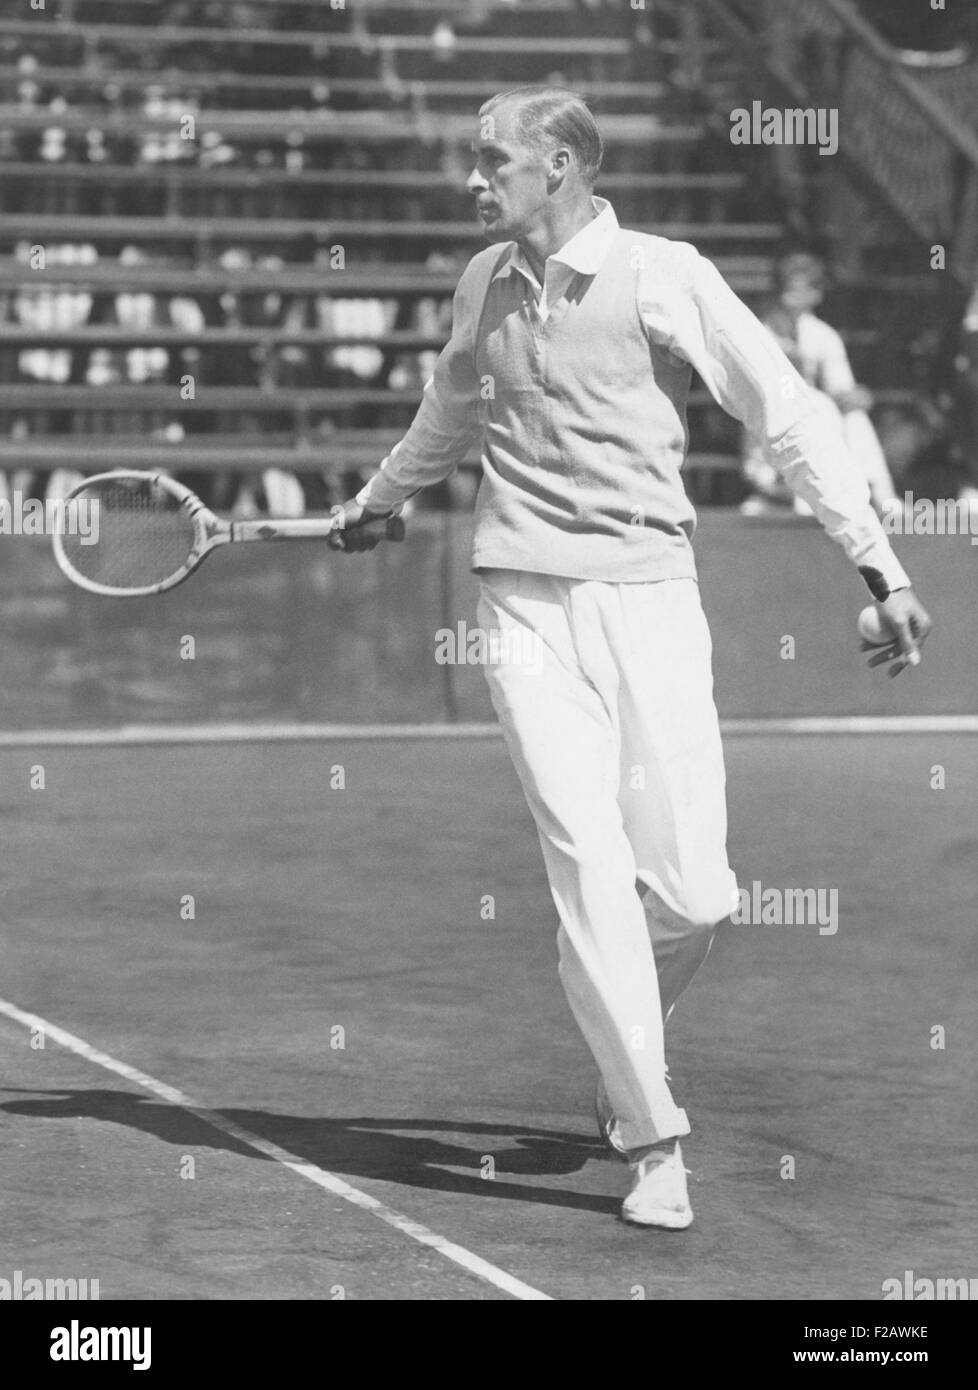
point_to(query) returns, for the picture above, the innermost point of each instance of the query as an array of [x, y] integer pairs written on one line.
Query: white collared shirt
[[582, 255]]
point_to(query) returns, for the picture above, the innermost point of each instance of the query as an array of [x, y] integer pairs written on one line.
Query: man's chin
[[493, 224], [496, 231]]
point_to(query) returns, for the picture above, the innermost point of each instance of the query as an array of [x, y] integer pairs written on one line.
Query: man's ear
[[560, 163]]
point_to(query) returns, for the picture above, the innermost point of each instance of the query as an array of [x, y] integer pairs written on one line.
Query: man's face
[[509, 181], [801, 293]]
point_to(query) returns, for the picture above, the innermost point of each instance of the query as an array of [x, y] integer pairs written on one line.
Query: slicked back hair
[[551, 116]]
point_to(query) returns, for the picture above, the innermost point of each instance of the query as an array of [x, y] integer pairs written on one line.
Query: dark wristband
[[875, 582]]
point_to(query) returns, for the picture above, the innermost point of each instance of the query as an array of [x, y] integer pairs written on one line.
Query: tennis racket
[[149, 533]]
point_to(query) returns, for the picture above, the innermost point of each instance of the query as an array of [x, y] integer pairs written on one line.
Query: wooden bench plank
[[323, 127], [113, 335], [52, 30], [171, 175], [176, 81], [159, 229], [167, 399], [407, 281], [98, 455]]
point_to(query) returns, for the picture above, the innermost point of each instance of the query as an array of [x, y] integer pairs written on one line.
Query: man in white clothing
[[819, 353], [571, 356]]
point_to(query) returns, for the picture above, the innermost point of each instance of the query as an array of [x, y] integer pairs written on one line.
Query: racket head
[[151, 534]]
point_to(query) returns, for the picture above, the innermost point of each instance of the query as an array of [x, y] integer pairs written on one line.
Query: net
[[141, 535]]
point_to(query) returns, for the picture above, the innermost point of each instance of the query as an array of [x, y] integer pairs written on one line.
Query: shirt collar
[[584, 253]]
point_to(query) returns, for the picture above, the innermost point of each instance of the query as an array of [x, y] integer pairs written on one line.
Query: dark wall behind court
[[293, 632]]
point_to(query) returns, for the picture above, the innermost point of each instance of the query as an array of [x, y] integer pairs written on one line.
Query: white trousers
[[605, 696]]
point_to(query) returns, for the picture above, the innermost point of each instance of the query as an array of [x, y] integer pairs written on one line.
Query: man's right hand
[[360, 529]]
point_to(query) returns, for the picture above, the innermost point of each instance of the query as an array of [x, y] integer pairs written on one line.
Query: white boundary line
[[855, 724], [482, 1269], [146, 735]]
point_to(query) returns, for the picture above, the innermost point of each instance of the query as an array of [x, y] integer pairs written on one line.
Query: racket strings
[[144, 536]]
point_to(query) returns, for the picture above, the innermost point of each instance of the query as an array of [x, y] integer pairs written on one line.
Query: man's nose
[[475, 183]]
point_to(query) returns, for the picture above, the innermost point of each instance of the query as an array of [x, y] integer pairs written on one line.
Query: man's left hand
[[909, 622]]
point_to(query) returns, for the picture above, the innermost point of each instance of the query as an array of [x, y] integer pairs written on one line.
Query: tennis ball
[[872, 628]]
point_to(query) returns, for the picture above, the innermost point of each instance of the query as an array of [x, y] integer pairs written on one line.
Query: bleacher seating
[[190, 170]]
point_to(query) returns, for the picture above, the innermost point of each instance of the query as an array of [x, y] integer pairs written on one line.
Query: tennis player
[[573, 344]]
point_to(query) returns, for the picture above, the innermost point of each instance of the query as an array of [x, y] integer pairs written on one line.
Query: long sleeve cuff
[[385, 491], [839, 497], [380, 495]]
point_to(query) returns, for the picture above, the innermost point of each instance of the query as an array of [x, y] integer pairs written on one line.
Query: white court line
[[147, 735], [855, 724], [482, 1269]]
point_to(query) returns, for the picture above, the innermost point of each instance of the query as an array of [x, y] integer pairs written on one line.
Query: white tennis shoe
[[659, 1196]]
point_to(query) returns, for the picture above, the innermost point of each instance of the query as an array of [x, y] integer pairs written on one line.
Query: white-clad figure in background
[[819, 354]]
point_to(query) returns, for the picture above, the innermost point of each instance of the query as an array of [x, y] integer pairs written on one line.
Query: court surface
[[458, 1093]]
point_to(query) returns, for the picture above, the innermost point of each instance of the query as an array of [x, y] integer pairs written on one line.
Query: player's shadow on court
[[409, 1152]]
